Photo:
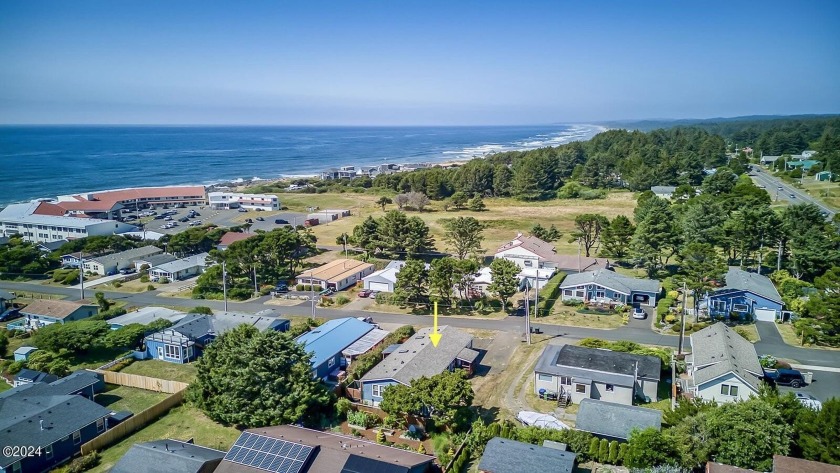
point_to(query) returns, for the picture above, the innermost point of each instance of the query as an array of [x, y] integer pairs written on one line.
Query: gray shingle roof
[[718, 350], [611, 280], [416, 357], [157, 260], [76, 381], [167, 456], [197, 325], [615, 420], [21, 411], [34, 376], [605, 366], [128, 255], [739, 279], [509, 456]]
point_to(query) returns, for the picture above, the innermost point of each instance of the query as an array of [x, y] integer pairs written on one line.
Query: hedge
[[550, 294]]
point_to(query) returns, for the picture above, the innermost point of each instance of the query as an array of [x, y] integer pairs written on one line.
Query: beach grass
[[184, 373]]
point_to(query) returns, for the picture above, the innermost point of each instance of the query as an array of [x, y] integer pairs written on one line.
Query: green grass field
[[503, 219], [181, 423], [163, 370], [119, 398]]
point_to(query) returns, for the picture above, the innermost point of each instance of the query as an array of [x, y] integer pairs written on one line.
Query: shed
[[615, 421], [22, 353]]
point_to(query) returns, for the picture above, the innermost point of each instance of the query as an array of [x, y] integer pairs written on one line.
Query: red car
[[364, 293]]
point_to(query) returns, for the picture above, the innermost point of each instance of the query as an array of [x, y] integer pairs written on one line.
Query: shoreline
[[444, 158]]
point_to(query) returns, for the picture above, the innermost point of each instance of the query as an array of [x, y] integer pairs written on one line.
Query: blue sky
[[408, 63]]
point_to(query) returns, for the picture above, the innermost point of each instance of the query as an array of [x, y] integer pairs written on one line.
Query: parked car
[[127, 270], [258, 209], [809, 400], [785, 377], [159, 217], [10, 314], [364, 293], [368, 320], [242, 209], [373, 294], [260, 219], [639, 313], [280, 221], [793, 196], [167, 218], [281, 287], [326, 292]]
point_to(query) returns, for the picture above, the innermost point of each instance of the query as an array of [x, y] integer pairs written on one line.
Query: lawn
[[569, 315], [4, 386], [95, 358], [750, 332], [503, 218], [181, 423], [124, 398], [162, 370], [828, 192], [788, 334], [129, 286]]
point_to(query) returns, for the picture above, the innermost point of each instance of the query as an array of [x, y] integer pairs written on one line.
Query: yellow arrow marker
[[435, 336]]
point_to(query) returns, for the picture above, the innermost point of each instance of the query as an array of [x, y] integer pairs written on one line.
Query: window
[[377, 390], [567, 292], [77, 437], [48, 451], [719, 306], [331, 363], [100, 425], [728, 390], [545, 377], [740, 308], [610, 388], [172, 351], [529, 263], [566, 380], [580, 388]]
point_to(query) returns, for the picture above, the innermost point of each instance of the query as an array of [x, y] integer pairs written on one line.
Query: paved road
[[639, 331], [787, 192]]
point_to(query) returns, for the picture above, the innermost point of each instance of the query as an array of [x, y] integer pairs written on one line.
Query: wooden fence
[[143, 382], [132, 424]]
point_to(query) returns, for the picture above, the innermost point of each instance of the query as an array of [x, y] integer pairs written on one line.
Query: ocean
[[47, 161]]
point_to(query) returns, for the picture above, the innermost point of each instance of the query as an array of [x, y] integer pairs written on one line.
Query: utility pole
[[256, 288], [527, 315], [682, 319], [344, 235], [82, 274], [579, 264], [224, 283], [779, 257]]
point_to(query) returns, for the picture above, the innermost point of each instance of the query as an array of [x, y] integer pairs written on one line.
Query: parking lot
[[222, 218]]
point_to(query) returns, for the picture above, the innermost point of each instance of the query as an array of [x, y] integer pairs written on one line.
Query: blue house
[[745, 296], [23, 353], [52, 419], [607, 286], [184, 341], [327, 341], [417, 357]]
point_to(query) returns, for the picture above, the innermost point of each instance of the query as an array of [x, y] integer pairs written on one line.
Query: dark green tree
[[50, 362], [443, 276], [649, 447], [249, 378], [615, 239], [819, 433], [464, 235], [546, 234], [383, 201], [504, 279], [657, 236], [702, 267], [412, 281], [79, 336]]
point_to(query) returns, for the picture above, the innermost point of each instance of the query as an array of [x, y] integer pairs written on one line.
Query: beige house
[[336, 275]]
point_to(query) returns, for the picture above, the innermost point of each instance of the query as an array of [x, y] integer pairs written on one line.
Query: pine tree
[[613, 455], [593, 448], [380, 436], [603, 451]]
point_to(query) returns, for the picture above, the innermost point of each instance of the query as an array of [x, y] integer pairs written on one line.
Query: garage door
[[765, 315], [379, 286]]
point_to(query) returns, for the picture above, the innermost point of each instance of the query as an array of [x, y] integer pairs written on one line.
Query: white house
[[722, 366], [531, 252], [181, 268], [384, 280], [337, 274], [232, 200], [20, 219], [110, 264], [663, 192]]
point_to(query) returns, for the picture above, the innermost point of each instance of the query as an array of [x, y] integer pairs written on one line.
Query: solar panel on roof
[[269, 454]]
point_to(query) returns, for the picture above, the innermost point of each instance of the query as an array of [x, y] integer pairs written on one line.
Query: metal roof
[[614, 420], [128, 255], [329, 339], [182, 264], [364, 344]]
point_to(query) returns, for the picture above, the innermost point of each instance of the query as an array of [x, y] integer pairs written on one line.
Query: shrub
[[343, 407], [360, 418], [150, 287], [144, 278], [117, 284], [342, 299], [299, 287], [767, 361], [84, 463], [200, 309], [670, 318], [613, 454], [239, 293], [603, 451], [164, 280], [593, 448], [380, 436]]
